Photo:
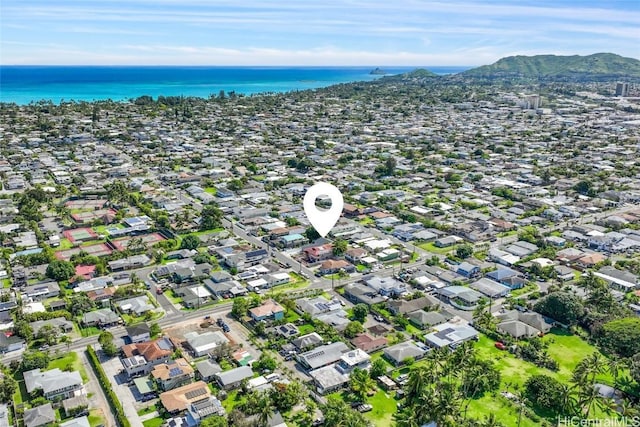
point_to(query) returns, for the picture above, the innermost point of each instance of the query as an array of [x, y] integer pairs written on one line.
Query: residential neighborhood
[[158, 268]]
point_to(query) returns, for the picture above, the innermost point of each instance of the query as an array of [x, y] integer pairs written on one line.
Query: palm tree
[[360, 383], [419, 378], [491, 421], [567, 400]]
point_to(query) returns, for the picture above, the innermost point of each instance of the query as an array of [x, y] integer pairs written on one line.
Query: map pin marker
[[323, 220]]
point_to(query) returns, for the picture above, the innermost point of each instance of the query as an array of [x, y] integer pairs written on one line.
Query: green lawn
[[291, 316], [71, 359], [565, 348], [95, 418], [361, 268], [173, 298], [92, 330], [526, 289], [147, 410], [384, 406], [65, 244], [431, 247], [231, 401], [306, 329], [6, 283], [153, 422], [366, 221], [211, 190]]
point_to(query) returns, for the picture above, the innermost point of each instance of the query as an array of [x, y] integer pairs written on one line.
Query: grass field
[[384, 406], [565, 348], [211, 190], [70, 360], [526, 289], [431, 247], [6, 283], [95, 418], [153, 422]]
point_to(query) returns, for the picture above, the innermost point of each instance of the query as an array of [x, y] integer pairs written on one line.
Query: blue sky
[[310, 32]]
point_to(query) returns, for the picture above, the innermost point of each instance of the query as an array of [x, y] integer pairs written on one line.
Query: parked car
[[500, 346], [159, 291], [365, 407]]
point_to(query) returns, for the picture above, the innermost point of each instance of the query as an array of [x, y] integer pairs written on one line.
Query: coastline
[[26, 84]]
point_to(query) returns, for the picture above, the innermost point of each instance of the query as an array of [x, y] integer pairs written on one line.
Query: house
[[399, 353], [179, 399], [317, 305], [42, 415], [139, 333], [85, 272], [75, 404], [308, 341], [101, 318], [207, 369], [204, 343], [460, 297], [232, 378], [136, 305], [140, 358], [322, 356], [427, 319], [518, 324], [401, 306], [11, 343], [135, 261], [447, 241], [60, 323], [55, 384], [41, 291], [355, 255], [468, 270], [333, 377], [590, 260], [172, 374], [269, 310], [359, 293], [490, 288], [198, 410], [369, 344], [620, 280], [101, 295], [450, 334], [77, 422], [385, 286], [320, 253], [507, 277], [334, 266]]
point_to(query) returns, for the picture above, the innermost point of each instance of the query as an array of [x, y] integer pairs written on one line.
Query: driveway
[[125, 394], [97, 400]]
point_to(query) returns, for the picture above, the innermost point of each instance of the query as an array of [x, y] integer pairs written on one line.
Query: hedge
[[115, 404]]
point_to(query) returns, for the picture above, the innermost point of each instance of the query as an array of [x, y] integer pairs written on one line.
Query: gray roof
[[234, 375], [50, 381], [55, 322], [517, 329], [207, 368], [449, 333], [104, 315], [323, 355], [426, 318], [489, 287], [467, 294], [403, 351], [309, 340], [39, 416], [328, 376], [76, 422]]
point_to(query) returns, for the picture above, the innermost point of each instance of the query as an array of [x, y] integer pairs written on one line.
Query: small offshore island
[[158, 268], [378, 72]]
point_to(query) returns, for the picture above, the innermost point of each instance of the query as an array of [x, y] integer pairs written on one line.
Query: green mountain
[[417, 74], [598, 66]]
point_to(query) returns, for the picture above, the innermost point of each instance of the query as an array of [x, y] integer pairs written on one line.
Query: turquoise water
[[26, 84]]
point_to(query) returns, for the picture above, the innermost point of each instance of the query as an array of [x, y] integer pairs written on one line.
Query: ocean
[[25, 84]]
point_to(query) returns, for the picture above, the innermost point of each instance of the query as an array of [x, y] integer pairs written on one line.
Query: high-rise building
[[622, 89], [532, 102]]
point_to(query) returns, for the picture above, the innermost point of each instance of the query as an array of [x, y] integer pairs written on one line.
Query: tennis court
[[148, 239], [90, 216], [98, 250], [79, 234], [85, 204]]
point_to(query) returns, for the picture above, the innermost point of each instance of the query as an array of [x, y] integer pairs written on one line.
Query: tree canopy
[[561, 306], [190, 242], [60, 270], [621, 336]]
